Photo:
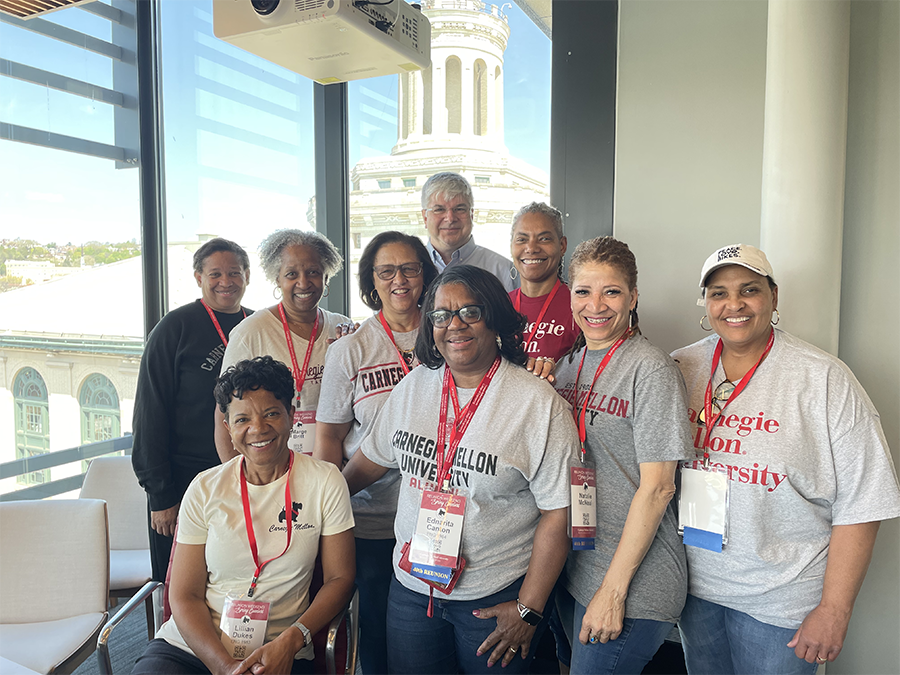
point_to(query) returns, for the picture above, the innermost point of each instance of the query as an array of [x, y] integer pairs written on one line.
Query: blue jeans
[[722, 641], [374, 571], [626, 655], [161, 658], [446, 643]]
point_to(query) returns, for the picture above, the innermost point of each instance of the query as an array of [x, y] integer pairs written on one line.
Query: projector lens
[[264, 6]]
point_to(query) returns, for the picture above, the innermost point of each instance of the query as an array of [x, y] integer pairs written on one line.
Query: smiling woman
[[232, 543], [173, 412], [295, 331]]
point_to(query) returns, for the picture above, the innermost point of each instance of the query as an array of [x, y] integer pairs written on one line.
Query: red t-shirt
[[557, 331]]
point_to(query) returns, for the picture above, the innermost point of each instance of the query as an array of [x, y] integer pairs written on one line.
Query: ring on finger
[[513, 650], [819, 659], [593, 639]]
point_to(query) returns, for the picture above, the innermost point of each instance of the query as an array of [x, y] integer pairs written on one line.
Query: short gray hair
[[449, 185], [272, 248], [551, 213]]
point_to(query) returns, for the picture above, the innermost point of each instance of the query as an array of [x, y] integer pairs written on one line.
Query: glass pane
[[239, 147], [482, 109], [70, 268]]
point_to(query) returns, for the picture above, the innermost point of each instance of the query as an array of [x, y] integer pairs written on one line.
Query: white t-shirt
[[512, 463], [264, 336], [804, 451], [361, 371], [212, 515]]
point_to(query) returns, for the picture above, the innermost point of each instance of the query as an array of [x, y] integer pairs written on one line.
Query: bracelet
[[307, 636]]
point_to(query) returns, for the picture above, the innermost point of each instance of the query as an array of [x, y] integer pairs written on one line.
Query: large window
[[32, 421], [239, 146], [482, 109]]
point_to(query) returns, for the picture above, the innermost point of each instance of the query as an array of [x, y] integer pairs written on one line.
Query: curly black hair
[[263, 372], [367, 264], [499, 314]]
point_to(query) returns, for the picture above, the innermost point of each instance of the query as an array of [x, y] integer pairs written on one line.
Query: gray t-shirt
[[361, 370], [635, 414], [512, 462], [804, 451]]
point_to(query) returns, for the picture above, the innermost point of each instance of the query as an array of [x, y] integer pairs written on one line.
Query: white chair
[[54, 575], [112, 479]]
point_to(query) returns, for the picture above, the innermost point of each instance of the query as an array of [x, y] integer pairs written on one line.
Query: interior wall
[[689, 142], [870, 296]]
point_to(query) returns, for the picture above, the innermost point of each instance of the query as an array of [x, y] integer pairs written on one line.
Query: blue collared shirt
[[471, 253]]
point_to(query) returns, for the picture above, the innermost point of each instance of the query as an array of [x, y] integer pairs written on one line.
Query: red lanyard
[[461, 421], [299, 375], [710, 420], [215, 321], [543, 311], [248, 521], [579, 417], [390, 334]]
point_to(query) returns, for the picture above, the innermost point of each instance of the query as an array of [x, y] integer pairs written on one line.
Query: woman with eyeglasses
[[795, 442], [537, 246], [361, 370], [296, 331], [628, 400], [483, 449]]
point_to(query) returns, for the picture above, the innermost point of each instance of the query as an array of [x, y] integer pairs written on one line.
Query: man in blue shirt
[[447, 209]]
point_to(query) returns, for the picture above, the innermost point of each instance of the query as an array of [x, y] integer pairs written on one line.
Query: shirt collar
[[459, 255]]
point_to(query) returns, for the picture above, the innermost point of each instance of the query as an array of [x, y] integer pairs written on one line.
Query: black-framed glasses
[[459, 211], [441, 318], [408, 270], [721, 394]]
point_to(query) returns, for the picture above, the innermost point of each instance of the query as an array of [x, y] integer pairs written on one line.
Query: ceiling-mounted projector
[[329, 40]]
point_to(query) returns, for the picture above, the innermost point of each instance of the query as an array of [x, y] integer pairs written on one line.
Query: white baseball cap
[[737, 254]]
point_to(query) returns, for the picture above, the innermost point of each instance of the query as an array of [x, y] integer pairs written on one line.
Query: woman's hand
[[274, 658], [343, 329], [541, 367], [511, 636], [820, 637], [603, 618]]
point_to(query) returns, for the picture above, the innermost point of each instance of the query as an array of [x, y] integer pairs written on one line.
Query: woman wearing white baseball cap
[[792, 476]]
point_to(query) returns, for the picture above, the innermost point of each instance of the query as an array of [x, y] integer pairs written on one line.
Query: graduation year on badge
[[435, 545], [703, 507], [583, 512], [243, 625]]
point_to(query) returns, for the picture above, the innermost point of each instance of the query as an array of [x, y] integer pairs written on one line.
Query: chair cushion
[[41, 646], [128, 569], [8, 667]]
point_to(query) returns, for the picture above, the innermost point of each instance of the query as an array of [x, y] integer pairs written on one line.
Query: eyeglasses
[[469, 314], [408, 270], [459, 211], [722, 393]]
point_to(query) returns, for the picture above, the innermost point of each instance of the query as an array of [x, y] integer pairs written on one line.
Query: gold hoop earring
[[325, 292], [373, 296], [513, 273], [777, 318], [701, 324], [276, 293]]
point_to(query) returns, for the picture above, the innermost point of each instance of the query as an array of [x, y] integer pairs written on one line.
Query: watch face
[[531, 618]]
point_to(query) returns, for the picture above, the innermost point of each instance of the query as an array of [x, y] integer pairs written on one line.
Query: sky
[[238, 131]]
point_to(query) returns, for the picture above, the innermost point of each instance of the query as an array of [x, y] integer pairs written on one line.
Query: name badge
[[703, 507], [583, 509], [436, 543], [243, 626], [303, 433]]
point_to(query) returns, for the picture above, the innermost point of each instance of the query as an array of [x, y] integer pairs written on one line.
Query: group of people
[[497, 449]]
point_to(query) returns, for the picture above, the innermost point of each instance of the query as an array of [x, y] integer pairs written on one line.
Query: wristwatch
[[307, 637], [529, 616]]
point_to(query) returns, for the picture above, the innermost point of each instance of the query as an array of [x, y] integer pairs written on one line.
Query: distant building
[[450, 118], [36, 271]]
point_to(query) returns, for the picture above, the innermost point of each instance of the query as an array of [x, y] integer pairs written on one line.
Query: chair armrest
[[106, 632], [351, 614]]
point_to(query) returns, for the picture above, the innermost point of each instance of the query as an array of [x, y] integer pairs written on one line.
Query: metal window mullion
[[103, 10], [331, 122], [47, 139]]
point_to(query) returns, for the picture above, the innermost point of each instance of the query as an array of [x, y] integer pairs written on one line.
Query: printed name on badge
[[243, 626], [303, 433], [438, 533], [583, 521]]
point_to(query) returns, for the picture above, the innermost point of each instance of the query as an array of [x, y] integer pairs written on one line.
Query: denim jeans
[[722, 641], [161, 658], [446, 643], [374, 572], [626, 655]]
